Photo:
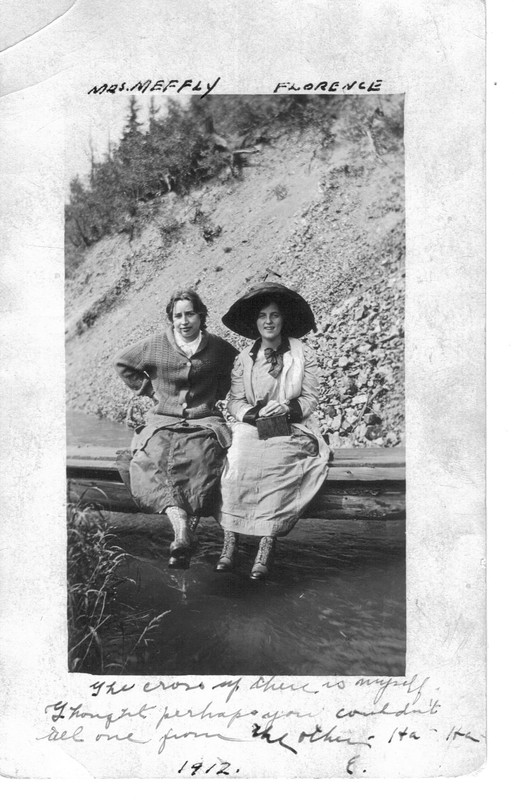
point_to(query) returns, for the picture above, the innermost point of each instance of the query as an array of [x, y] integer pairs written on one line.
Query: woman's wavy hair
[[195, 300], [264, 301]]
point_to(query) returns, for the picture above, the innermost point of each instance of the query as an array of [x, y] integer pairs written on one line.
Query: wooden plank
[[370, 455], [370, 474], [108, 495], [363, 455], [361, 484], [366, 473], [333, 506], [330, 503], [358, 467]]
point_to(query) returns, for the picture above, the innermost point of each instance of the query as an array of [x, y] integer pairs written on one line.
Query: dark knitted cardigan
[[185, 388]]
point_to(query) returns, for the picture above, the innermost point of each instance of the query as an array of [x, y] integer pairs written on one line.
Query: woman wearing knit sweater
[[178, 456], [278, 459]]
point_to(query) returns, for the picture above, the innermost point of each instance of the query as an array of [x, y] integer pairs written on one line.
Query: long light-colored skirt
[[266, 484]]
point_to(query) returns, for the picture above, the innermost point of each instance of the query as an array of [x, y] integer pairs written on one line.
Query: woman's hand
[[273, 408]]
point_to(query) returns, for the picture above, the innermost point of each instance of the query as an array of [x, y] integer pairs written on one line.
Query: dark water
[[333, 605], [85, 429]]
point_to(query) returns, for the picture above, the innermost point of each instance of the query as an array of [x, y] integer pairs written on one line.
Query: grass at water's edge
[[104, 635]]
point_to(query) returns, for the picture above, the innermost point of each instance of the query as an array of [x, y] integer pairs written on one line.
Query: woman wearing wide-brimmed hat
[[278, 459]]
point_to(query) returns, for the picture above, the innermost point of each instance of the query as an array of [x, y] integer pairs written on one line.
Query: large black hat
[[241, 316]]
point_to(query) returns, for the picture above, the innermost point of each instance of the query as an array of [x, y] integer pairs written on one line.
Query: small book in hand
[[268, 427]]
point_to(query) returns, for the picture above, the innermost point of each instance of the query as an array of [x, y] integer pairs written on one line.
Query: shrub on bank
[[104, 636]]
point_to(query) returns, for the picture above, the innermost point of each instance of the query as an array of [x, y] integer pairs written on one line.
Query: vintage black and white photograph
[[235, 284], [243, 295]]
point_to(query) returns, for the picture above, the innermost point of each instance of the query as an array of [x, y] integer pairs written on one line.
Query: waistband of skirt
[[157, 422]]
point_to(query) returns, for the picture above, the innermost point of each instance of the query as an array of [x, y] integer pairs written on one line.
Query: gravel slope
[[324, 215]]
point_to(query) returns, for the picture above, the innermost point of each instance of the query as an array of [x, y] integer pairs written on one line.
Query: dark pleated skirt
[[178, 467]]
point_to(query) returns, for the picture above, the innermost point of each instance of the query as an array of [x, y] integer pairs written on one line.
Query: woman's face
[[270, 322], [186, 320]]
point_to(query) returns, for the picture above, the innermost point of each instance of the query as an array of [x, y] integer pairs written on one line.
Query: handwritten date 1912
[[218, 768]]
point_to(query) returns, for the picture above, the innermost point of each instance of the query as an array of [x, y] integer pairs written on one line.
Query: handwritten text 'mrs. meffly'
[[161, 85]]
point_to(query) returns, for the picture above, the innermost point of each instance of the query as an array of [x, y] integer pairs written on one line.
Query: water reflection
[[334, 604]]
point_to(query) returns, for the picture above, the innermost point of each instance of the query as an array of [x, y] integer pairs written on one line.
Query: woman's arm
[[229, 353], [130, 365], [238, 404]]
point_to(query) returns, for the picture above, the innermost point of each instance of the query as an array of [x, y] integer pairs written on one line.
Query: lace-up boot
[[262, 563], [228, 554]]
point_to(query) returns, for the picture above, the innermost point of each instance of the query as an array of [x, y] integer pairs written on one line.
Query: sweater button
[[184, 405]]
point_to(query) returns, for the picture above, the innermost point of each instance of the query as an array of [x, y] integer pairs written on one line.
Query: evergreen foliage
[[182, 147]]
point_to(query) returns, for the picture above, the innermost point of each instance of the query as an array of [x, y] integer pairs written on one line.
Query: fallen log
[[367, 483]]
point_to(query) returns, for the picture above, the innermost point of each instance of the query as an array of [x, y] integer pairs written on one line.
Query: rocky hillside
[[321, 210]]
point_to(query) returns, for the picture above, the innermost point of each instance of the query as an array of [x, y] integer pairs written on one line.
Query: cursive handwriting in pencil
[[195, 734], [265, 734]]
